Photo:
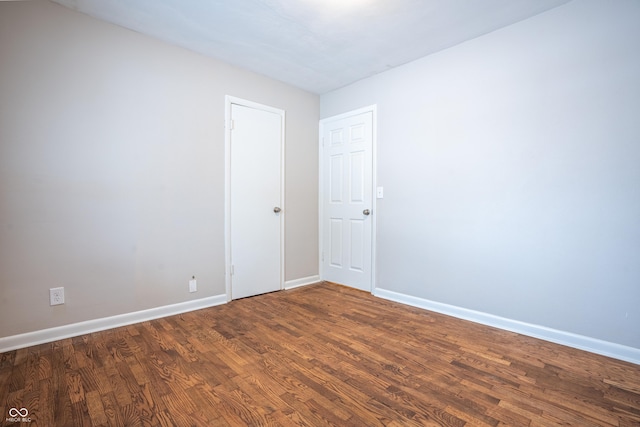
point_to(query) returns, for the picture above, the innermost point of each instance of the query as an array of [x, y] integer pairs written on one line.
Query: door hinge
[[232, 124], [233, 270]]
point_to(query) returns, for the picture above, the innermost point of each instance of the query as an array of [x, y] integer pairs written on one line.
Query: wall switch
[[56, 296], [193, 285], [379, 193]]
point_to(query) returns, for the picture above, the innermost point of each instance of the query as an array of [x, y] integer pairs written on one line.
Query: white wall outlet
[[56, 296], [193, 285]]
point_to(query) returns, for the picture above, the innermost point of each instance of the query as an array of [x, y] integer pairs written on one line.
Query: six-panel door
[[347, 200]]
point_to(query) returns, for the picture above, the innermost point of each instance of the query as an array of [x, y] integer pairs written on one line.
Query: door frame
[[373, 109], [230, 100]]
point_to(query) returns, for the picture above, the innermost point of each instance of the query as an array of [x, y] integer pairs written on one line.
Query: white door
[[255, 202], [347, 208]]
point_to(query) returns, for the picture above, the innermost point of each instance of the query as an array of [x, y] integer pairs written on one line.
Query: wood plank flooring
[[313, 356]]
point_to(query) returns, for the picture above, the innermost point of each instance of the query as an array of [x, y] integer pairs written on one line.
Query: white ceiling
[[316, 45]]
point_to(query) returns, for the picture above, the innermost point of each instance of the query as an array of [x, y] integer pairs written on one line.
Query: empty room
[[320, 212]]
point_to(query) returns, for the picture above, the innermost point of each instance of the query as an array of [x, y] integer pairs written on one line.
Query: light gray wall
[[511, 169], [112, 168]]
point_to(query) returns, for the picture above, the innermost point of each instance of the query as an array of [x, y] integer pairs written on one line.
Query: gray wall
[[511, 169], [112, 168]]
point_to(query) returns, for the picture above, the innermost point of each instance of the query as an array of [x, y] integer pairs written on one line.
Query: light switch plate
[[379, 192]]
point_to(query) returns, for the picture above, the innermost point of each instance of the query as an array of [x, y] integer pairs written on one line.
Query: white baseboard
[[73, 330], [290, 284], [593, 345]]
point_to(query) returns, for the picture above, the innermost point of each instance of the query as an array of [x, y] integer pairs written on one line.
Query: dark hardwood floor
[[318, 355]]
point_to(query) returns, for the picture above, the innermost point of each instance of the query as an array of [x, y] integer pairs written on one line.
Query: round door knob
[[366, 212], [276, 209]]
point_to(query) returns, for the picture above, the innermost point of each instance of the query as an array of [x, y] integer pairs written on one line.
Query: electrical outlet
[[56, 296], [193, 285]]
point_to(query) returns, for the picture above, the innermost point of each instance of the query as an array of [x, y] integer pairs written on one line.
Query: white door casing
[[347, 217], [254, 192]]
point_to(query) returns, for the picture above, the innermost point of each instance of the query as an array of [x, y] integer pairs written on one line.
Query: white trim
[[373, 109], [73, 330], [229, 100], [374, 198], [291, 284], [320, 197], [227, 195], [581, 342]]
